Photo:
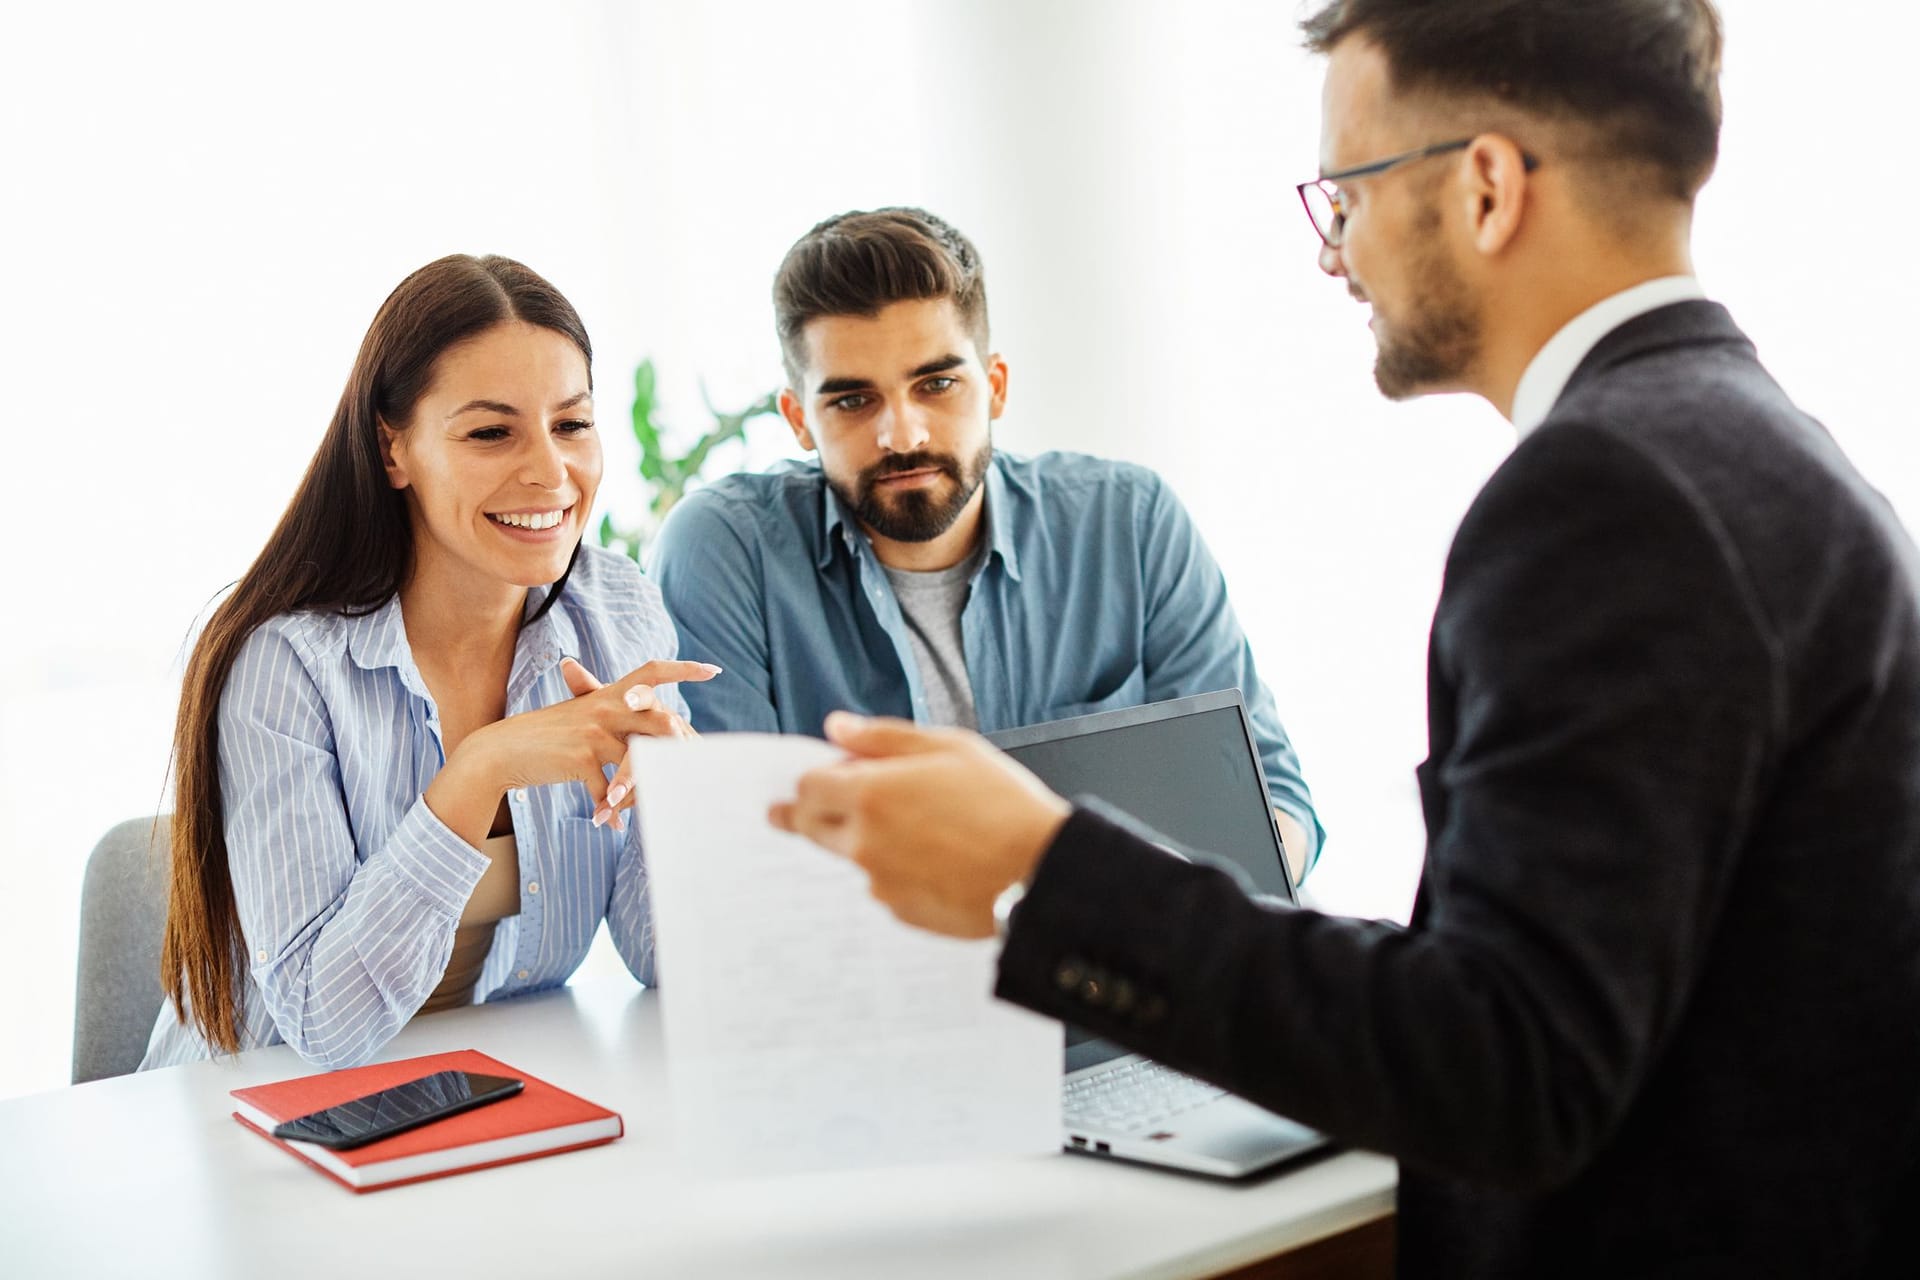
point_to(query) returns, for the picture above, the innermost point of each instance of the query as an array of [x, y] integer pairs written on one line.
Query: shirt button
[[533, 886], [261, 956], [523, 975], [519, 796]]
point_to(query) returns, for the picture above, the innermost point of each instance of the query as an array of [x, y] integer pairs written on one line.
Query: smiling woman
[[417, 641], [502, 491]]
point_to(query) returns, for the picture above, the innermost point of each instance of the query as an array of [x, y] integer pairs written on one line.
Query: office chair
[[123, 907]]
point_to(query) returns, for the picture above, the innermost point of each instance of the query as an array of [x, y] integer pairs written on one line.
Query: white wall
[[206, 204]]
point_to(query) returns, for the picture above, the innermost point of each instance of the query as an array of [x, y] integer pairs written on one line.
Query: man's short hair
[[1642, 75], [856, 264]]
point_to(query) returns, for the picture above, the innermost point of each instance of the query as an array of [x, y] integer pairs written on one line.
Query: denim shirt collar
[[838, 525]]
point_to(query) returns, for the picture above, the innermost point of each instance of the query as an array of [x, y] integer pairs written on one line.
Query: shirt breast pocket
[[585, 855], [1110, 693]]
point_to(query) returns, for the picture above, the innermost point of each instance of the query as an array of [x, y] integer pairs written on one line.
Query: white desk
[[149, 1174]]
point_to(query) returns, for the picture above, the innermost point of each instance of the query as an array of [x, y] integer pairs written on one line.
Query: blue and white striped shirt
[[349, 888]]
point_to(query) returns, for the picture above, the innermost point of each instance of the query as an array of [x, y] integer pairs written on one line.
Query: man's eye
[[847, 403], [937, 385]]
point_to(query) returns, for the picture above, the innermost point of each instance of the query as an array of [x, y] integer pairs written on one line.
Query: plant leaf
[[643, 391], [645, 431]]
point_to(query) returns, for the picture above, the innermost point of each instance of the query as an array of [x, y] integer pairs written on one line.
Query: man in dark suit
[[1658, 1007]]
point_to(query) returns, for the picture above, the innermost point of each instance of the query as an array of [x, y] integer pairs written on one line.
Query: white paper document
[[806, 1028]]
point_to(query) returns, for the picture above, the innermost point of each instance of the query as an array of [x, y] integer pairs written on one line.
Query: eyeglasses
[[1326, 204]]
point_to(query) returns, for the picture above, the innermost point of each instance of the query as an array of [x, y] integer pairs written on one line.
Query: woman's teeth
[[531, 519]]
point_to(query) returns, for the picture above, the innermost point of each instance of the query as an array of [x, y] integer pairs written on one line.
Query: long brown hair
[[344, 545]]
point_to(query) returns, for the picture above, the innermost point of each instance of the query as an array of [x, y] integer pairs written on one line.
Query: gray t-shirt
[[931, 604]]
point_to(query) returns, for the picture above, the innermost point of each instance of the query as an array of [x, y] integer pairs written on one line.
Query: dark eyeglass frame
[[1334, 233]]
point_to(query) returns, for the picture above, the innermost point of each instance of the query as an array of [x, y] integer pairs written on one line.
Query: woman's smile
[[532, 526]]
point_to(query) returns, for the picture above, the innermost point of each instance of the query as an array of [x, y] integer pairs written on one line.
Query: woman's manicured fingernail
[[601, 815], [710, 668], [616, 793]]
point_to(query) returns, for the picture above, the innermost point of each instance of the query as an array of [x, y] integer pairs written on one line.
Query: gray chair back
[[123, 908]]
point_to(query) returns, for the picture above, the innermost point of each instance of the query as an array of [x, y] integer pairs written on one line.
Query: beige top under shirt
[[496, 897]]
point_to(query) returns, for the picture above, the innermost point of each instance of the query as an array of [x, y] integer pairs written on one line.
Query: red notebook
[[538, 1121]]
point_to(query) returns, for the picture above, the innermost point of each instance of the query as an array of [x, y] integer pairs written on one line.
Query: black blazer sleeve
[[1603, 695]]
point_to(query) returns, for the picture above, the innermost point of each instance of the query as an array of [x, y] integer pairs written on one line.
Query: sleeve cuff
[[1082, 896], [1116, 933], [427, 854], [1316, 836]]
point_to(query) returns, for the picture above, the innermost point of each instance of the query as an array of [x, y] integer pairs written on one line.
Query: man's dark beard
[[1440, 338], [916, 515]]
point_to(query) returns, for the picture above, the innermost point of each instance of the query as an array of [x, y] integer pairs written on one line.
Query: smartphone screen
[[390, 1111]]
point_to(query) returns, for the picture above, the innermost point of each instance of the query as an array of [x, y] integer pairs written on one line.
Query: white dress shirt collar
[[1546, 375]]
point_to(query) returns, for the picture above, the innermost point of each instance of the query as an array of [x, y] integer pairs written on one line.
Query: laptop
[[1189, 771]]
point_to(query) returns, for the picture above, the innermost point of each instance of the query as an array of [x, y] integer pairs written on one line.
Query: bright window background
[[205, 205]]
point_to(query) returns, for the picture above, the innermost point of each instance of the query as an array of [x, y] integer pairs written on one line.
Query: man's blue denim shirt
[[1097, 592]]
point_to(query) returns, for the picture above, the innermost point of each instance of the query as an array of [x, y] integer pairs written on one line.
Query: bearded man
[[913, 570]]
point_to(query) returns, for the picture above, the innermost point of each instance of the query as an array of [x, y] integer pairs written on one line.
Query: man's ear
[[393, 457], [997, 380], [1497, 191], [796, 415]]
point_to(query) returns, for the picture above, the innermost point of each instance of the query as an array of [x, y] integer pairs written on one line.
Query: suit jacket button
[[1093, 990], [1153, 1008], [1122, 995], [1067, 977]]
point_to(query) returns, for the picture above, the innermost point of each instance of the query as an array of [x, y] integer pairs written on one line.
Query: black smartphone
[[391, 1111]]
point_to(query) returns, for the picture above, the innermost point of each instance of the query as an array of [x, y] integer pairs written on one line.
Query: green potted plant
[[664, 476]]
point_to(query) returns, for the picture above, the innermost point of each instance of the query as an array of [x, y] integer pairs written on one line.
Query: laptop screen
[[1187, 768]]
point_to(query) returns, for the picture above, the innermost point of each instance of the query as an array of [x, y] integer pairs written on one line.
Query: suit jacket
[[1657, 1011]]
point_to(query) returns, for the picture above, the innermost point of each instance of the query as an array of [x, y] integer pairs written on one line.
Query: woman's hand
[[661, 723], [571, 741]]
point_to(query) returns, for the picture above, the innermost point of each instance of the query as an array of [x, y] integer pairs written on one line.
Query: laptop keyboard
[[1134, 1098]]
